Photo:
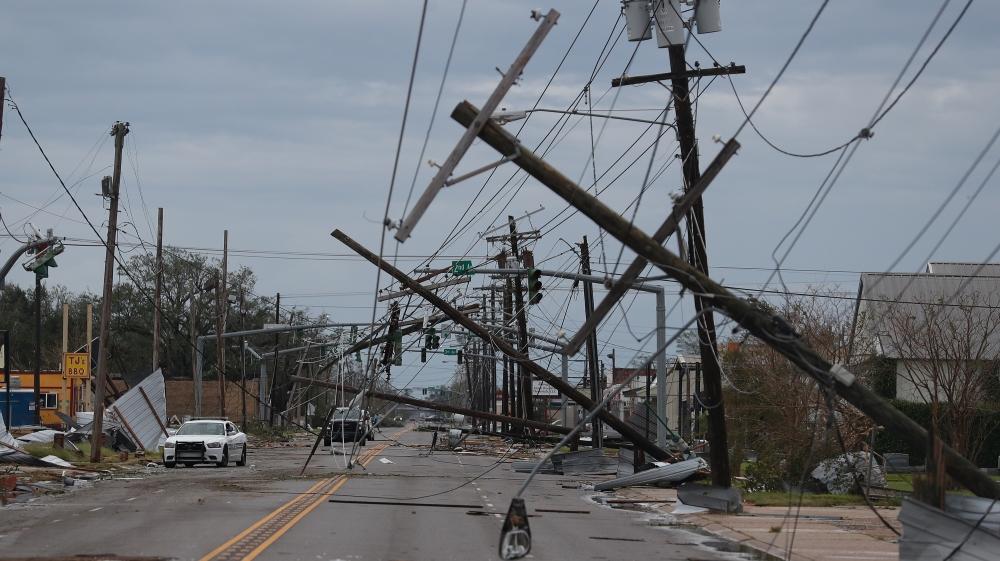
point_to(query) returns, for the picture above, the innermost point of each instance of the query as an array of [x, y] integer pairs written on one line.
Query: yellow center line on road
[[252, 541]]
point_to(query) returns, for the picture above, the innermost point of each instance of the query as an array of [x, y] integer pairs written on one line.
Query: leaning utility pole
[[222, 306], [756, 319], [159, 289], [119, 130], [597, 436], [523, 378]]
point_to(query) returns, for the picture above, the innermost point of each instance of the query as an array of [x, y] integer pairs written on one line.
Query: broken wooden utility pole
[[397, 398], [119, 130], [623, 428], [158, 290], [588, 309], [768, 327], [446, 169]]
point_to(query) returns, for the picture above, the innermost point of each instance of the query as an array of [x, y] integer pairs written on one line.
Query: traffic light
[[429, 335], [423, 355], [44, 258], [534, 286], [436, 342]]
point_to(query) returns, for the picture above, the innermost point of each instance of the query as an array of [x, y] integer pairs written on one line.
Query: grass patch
[[41, 450], [777, 498], [268, 433]]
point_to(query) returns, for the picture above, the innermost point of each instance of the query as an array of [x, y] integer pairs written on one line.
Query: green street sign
[[459, 268], [450, 352]]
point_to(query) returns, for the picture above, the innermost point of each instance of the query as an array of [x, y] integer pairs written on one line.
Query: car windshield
[[350, 415], [212, 429]]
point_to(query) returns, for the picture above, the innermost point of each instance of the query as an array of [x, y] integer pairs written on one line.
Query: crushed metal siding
[[137, 414]]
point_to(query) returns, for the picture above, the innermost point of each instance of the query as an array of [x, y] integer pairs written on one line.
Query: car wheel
[[169, 464], [225, 457], [243, 457], [189, 464]]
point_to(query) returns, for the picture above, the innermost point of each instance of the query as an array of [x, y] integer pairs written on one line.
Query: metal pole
[[119, 130], [38, 349], [661, 369], [87, 397]]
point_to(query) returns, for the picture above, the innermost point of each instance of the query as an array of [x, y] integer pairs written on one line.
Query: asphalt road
[[266, 512]]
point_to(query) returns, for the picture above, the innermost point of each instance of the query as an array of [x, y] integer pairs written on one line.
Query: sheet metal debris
[[526, 466], [141, 411], [670, 473], [12, 452], [722, 499], [585, 462], [960, 535]]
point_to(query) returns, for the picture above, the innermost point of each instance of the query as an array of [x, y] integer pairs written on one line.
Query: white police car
[[202, 441]]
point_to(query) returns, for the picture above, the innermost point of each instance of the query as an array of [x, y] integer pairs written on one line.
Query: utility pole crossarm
[[770, 328], [623, 428], [693, 73], [444, 172]]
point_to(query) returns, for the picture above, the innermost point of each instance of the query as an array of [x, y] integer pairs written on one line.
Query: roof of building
[[891, 302], [964, 269]]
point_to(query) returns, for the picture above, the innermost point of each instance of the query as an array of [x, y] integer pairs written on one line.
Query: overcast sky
[[278, 122]]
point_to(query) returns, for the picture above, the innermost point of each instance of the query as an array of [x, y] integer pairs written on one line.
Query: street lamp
[[505, 116]]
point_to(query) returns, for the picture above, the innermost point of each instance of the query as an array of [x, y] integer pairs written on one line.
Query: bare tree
[[945, 354], [779, 412]]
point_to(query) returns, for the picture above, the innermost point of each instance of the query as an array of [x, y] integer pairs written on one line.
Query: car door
[[239, 437], [231, 437]]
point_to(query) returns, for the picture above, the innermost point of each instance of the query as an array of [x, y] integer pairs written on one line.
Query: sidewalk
[[844, 533]]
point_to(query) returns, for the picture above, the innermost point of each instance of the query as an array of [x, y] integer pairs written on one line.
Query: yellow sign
[[76, 365]]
